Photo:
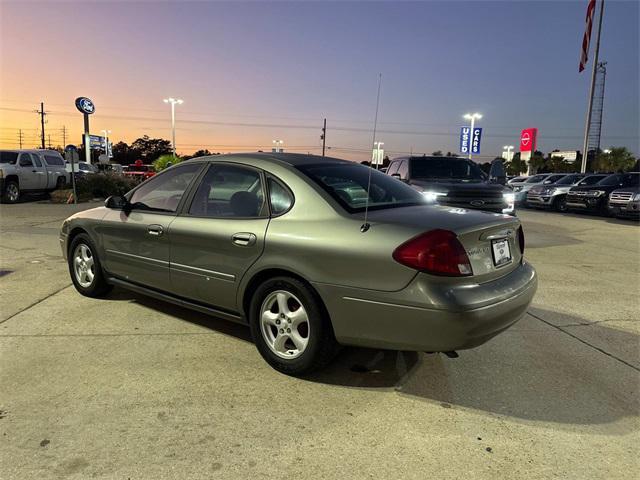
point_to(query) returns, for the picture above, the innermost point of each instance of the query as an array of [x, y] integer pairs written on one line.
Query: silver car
[[521, 188], [311, 253]]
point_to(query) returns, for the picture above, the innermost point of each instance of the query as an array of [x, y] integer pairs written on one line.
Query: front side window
[[163, 192], [552, 179], [36, 159], [229, 191], [592, 180], [403, 170], [393, 168], [25, 160], [347, 184]]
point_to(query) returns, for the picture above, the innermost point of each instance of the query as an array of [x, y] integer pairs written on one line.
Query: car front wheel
[[290, 326], [11, 192], [560, 204], [85, 269]]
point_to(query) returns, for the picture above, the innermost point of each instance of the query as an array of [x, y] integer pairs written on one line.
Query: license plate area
[[501, 252]]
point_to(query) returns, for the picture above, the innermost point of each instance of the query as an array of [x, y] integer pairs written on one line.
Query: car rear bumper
[[429, 314]]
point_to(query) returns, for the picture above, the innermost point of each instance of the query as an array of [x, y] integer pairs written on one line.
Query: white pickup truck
[[30, 171]]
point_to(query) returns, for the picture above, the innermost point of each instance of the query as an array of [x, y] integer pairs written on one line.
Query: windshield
[[446, 168], [347, 183], [535, 179], [8, 157], [592, 180], [552, 179], [568, 180], [611, 180]]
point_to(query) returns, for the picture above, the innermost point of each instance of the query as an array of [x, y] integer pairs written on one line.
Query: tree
[[437, 153], [486, 167], [165, 161], [616, 159], [123, 154], [516, 166], [149, 149], [451, 154]]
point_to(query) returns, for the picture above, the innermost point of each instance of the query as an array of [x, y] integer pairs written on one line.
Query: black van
[[456, 182]]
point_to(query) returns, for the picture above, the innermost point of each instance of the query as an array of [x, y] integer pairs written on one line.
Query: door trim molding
[[202, 272], [139, 257]]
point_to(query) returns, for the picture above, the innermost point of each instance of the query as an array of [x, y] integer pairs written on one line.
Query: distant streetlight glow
[[473, 117], [278, 146], [173, 102]]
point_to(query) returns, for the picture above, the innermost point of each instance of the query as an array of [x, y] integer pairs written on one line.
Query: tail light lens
[[438, 252], [521, 239]]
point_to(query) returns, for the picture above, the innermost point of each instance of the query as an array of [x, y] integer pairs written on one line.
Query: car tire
[[560, 204], [85, 268], [11, 193], [291, 327], [61, 183]]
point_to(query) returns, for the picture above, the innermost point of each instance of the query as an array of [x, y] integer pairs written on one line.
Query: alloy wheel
[[13, 192], [284, 324], [83, 265]]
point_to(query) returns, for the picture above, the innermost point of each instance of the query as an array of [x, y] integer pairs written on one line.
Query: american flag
[[591, 7]]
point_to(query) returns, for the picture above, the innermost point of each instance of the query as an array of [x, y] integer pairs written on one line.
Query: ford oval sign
[[477, 203], [85, 105]]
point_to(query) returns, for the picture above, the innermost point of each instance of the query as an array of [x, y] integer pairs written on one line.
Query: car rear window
[[430, 168], [348, 184]]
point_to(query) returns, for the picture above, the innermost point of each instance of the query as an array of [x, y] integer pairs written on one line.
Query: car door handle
[[155, 230], [244, 239]]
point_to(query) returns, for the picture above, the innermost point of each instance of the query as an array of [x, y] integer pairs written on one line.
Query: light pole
[[472, 117], [173, 102], [278, 146], [106, 143], [508, 148]]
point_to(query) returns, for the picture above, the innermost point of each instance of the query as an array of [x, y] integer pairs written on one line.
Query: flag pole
[[594, 69]]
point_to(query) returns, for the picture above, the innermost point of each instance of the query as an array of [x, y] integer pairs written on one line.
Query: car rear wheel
[[290, 326], [85, 269], [11, 192]]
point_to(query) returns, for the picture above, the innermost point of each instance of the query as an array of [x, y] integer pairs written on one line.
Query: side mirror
[[116, 202], [396, 175]]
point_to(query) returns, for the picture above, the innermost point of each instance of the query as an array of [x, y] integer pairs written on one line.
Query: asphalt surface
[[131, 388]]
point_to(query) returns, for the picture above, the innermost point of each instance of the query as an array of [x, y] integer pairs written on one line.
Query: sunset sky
[[253, 72]]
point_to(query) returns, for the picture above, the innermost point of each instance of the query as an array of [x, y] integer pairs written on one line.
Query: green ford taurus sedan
[[311, 252]]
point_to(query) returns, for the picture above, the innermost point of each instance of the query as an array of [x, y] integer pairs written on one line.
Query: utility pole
[[42, 113], [49, 139], [594, 70], [20, 138], [64, 136], [324, 135]]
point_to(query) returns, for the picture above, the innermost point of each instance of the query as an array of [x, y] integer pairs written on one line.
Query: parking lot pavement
[[128, 387]]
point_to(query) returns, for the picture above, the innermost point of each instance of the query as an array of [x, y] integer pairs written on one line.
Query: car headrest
[[244, 204]]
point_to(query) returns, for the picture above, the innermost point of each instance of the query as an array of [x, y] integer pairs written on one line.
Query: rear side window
[[591, 180], [280, 197], [403, 170], [53, 160], [229, 191]]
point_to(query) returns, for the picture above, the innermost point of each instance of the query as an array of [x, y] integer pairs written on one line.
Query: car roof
[[429, 157], [292, 159]]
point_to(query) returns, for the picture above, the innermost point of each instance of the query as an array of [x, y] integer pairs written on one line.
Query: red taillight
[[521, 239], [438, 252]]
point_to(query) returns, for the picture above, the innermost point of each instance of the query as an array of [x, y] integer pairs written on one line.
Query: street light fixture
[[173, 102], [106, 142], [473, 117]]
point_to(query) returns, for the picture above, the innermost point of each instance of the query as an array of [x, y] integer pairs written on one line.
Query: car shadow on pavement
[[535, 374]]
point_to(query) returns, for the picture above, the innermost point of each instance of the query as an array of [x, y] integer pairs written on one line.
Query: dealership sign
[[85, 105], [465, 139], [528, 139], [475, 140]]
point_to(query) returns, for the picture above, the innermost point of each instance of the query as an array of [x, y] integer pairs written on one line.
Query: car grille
[[621, 197], [579, 193]]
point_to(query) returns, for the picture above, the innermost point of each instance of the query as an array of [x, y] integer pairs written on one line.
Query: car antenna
[[365, 226]]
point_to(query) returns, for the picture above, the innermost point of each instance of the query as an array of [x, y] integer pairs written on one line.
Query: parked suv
[[522, 188], [625, 202], [455, 181], [30, 171], [554, 195], [595, 197]]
